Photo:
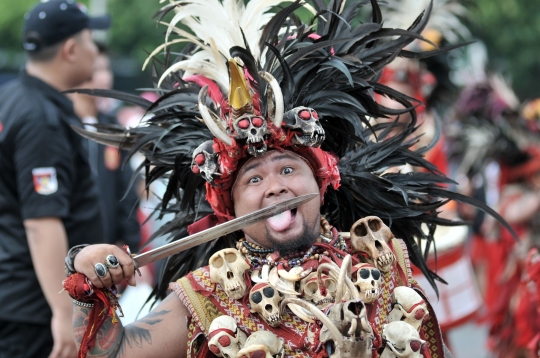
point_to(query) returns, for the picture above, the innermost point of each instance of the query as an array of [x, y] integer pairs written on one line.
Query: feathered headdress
[[249, 81]]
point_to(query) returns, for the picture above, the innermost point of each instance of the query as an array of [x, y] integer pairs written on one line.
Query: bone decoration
[[227, 268], [408, 306], [402, 341], [265, 300], [262, 344], [225, 339], [371, 236]]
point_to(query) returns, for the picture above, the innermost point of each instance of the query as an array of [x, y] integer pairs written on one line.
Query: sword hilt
[[128, 251]]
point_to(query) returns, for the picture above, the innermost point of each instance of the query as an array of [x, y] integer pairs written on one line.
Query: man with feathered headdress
[[260, 108]]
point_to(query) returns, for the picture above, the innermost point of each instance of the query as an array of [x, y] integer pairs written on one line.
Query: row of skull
[[253, 129], [369, 236], [345, 327]]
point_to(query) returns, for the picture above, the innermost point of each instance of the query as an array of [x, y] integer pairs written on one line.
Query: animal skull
[[264, 300], [227, 267], [205, 161], [408, 307], [402, 341], [262, 344], [312, 292], [351, 321], [252, 128], [368, 280], [371, 236], [305, 122], [225, 339]]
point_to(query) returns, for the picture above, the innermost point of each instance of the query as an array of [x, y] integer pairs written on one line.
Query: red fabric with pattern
[[76, 286]]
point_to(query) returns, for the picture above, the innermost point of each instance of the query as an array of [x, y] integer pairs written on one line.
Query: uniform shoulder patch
[[45, 181]]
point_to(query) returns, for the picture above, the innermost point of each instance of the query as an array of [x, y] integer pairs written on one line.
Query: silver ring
[[101, 270], [111, 261]]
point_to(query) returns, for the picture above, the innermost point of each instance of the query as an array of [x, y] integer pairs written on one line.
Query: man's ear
[[68, 50]]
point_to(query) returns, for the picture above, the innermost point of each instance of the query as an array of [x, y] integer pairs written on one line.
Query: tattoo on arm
[[136, 336], [113, 339]]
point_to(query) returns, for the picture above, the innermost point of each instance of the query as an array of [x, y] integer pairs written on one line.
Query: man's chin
[[293, 238]]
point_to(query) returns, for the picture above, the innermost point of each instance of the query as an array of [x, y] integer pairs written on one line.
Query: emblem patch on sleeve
[[45, 181]]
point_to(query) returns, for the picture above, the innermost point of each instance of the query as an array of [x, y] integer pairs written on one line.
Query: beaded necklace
[[259, 256]]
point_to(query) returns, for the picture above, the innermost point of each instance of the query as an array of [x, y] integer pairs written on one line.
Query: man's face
[[86, 52], [270, 179]]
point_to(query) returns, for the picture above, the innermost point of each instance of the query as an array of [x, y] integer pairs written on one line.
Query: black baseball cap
[[53, 21]]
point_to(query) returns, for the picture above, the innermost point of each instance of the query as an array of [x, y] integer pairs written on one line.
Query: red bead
[[244, 123], [257, 122], [199, 159], [195, 169], [419, 314], [304, 114], [86, 287], [415, 346], [225, 341], [315, 115]]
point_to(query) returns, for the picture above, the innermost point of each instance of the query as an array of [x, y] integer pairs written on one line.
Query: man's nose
[[276, 187]]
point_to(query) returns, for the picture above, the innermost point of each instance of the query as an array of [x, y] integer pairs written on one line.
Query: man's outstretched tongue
[[281, 221]]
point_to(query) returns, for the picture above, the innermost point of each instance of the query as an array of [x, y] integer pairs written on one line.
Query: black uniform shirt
[[44, 172]]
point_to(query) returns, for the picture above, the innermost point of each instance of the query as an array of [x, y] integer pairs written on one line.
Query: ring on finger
[[101, 270], [111, 261]]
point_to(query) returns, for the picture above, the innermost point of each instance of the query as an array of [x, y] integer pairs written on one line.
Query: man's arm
[[162, 333], [48, 246]]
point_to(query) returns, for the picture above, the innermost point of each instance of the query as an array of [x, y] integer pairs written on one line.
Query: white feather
[[215, 27], [445, 16]]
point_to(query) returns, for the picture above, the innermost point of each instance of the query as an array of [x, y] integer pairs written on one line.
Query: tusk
[[338, 338], [365, 324], [278, 98], [296, 273], [300, 312], [264, 274], [335, 274], [285, 287], [214, 128], [345, 271]]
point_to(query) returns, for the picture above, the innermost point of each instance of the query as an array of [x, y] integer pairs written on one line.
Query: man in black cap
[[48, 197]]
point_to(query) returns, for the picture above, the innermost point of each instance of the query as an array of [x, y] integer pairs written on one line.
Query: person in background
[[48, 197], [117, 198]]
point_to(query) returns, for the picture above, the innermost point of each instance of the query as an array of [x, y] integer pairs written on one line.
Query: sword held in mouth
[[219, 230]]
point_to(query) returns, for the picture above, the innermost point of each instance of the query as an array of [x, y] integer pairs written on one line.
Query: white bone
[[209, 121], [264, 274], [279, 108]]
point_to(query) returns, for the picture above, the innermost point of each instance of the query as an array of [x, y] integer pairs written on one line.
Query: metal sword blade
[[220, 230]]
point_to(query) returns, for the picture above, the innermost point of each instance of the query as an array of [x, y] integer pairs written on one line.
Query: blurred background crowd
[[481, 100]]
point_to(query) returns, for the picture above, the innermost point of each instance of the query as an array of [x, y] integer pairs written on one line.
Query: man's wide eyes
[[287, 170], [254, 179]]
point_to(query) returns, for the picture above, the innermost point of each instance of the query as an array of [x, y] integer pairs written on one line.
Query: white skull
[[225, 339], [371, 236], [262, 344], [311, 292], [351, 321], [305, 122], [402, 341], [253, 129], [205, 161], [265, 300], [227, 267], [409, 307], [368, 281]]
